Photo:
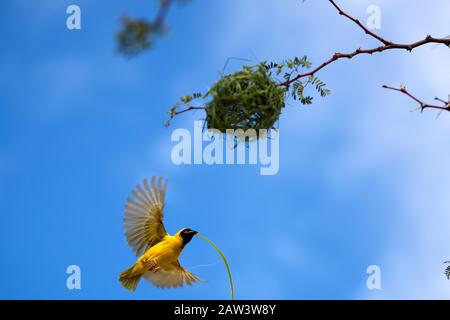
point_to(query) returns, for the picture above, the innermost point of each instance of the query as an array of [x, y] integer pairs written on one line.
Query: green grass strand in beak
[[224, 261]]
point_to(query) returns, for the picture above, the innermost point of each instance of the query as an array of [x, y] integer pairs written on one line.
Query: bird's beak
[[193, 232]]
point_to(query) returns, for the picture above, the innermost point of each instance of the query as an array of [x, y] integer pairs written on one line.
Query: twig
[[387, 45], [441, 100], [422, 104]]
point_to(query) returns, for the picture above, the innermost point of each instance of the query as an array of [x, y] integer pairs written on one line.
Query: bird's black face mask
[[187, 235]]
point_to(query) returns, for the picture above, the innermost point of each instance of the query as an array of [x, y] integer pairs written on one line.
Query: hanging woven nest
[[247, 99]]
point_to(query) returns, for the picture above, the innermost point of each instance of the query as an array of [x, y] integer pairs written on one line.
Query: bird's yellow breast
[[166, 251]]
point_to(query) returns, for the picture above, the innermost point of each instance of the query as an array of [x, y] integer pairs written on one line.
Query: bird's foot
[[155, 269], [150, 265]]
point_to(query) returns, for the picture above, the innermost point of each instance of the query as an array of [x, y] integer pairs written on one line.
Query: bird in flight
[[157, 251]]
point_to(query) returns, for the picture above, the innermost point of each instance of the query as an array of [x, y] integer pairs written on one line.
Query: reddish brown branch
[[387, 45], [423, 105]]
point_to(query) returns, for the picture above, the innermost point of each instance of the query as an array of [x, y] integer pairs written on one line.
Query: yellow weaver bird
[[157, 251]]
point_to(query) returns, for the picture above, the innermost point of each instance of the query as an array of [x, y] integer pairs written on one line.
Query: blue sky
[[362, 180]]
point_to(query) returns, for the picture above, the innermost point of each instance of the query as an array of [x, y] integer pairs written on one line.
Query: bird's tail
[[129, 280]]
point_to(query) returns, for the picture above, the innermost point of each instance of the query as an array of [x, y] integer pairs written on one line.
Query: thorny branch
[[386, 45], [423, 105]]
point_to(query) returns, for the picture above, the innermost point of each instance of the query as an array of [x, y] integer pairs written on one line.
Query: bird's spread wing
[[143, 220], [171, 276]]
